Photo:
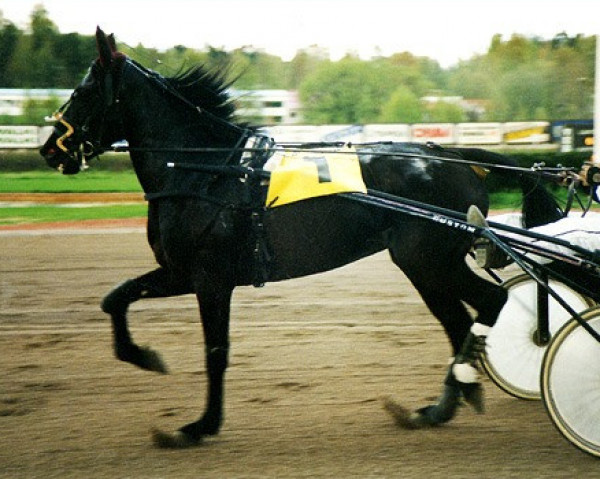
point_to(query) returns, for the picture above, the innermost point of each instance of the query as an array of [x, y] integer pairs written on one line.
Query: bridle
[[81, 142]]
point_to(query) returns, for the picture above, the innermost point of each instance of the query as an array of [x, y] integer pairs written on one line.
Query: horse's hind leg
[[155, 284], [444, 285], [487, 299], [456, 322]]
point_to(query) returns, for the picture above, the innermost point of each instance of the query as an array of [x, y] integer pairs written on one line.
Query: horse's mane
[[208, 89]]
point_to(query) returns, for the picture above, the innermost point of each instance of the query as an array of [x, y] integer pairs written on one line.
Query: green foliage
[[403, 106], [519, 78], [9, 39], [527, 158], [21, 160], [342, 92], [42, 57], [445, 112], [37, 110], [531, 79]]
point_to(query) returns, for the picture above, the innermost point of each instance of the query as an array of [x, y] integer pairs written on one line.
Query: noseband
[[76, 141]]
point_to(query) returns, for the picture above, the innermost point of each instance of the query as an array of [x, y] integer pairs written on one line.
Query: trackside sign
[[19, 137]]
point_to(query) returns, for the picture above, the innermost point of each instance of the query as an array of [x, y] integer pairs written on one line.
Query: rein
[[563, 175]]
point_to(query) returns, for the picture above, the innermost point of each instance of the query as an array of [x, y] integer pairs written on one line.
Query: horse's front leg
[[155, 284], [215, 310]]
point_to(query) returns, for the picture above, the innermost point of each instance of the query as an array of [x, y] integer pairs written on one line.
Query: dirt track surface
[[311, 361]]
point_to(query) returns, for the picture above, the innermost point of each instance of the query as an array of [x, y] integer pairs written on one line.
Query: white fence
[[23, 136], [442, 133]]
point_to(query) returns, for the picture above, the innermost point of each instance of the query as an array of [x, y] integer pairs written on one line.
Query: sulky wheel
[[513, 354], [570, 382]]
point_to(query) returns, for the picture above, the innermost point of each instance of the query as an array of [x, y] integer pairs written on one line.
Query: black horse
[[209, 235]]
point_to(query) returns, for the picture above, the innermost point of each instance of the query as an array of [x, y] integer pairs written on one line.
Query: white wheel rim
[[510, 349], [572, 386]]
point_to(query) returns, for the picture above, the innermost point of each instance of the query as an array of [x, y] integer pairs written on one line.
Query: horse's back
[[430, 174]]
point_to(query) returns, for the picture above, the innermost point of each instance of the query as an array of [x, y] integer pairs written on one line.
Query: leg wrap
[[464, 369], [473, 345]]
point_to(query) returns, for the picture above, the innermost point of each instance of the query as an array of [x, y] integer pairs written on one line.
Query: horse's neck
[[158, 128], [150, 154]]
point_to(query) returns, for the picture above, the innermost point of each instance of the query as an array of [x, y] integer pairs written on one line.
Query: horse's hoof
[[404, 418], [178, 440], [473, 395], [144, 358], [152, 361]]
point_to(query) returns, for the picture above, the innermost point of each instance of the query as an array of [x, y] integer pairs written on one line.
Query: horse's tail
[[539, 206]]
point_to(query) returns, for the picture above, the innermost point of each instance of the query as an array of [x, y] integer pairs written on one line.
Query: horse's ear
[[112, 42], [104, 48]]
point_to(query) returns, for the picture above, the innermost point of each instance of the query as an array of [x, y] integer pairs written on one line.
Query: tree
[[304, 63], [256, 69], [347, 91], [570, 84], [402, 107], [43, 30], [445, 112], [522, 94], [521, 78], [517, 51], [73, 54], [471, 79], [35, 111], [9, 39], [33, 64], [421, 75]]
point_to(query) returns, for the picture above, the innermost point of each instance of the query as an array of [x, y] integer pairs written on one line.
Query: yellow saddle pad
[[302, 175]]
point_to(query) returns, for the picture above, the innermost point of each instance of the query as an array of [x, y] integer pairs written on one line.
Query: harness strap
[[261, 254], [253, 202]]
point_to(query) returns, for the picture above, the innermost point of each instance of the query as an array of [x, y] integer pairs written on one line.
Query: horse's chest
[[193, 236]]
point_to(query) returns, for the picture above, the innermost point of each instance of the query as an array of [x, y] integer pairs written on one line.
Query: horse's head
[[83, 124]]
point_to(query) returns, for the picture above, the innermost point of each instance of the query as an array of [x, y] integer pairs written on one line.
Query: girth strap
[[261, 255]]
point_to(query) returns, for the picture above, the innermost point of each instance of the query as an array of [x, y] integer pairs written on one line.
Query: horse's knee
[[120, 297]]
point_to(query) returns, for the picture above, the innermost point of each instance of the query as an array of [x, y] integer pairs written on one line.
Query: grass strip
[[54, 182], [10, 215]]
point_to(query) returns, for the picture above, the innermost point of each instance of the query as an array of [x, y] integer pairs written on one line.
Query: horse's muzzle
[[58, 159]]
